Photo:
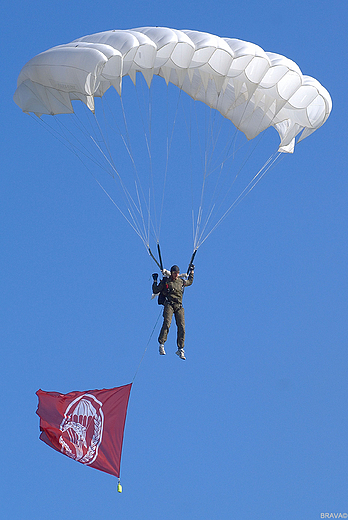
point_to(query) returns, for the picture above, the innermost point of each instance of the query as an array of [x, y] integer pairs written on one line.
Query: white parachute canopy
[[252, 88]]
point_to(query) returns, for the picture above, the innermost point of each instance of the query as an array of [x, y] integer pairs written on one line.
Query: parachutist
[[170, 291]]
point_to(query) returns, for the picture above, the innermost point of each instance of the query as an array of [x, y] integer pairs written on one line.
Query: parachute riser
[[160, 256], [160, 262], [155, 260], [191, 261]]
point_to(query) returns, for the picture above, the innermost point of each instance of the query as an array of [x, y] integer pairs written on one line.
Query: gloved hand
[[192, 268], [155, 276]]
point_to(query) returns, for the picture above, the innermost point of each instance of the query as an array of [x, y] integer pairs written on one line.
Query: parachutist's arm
[[190, 279], [157, 288]]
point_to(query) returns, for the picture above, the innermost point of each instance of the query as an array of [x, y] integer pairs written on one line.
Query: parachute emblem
[[82, 429]]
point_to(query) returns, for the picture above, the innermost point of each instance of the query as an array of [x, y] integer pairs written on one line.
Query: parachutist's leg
[[180, 323], [167, 319]]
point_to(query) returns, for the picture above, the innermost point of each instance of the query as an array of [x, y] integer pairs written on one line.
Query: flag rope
[[153, 330]]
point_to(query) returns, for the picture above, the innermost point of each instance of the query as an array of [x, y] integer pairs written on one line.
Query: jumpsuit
[[173, 291]]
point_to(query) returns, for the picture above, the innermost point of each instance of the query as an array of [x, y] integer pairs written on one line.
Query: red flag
[[86, 426]]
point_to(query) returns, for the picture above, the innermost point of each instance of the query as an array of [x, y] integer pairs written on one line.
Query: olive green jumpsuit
[[173, 291]]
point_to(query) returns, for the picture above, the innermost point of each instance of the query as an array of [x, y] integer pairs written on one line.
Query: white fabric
[[253, 88]]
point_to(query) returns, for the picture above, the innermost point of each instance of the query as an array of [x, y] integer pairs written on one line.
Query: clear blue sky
[[253, 425]]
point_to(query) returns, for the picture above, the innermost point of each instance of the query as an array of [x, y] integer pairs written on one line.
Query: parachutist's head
[[174, 271]]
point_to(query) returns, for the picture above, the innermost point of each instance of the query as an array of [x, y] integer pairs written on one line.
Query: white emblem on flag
[[82, 429]]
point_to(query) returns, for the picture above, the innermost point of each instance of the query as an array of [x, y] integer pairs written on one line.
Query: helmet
[[174, 269]]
